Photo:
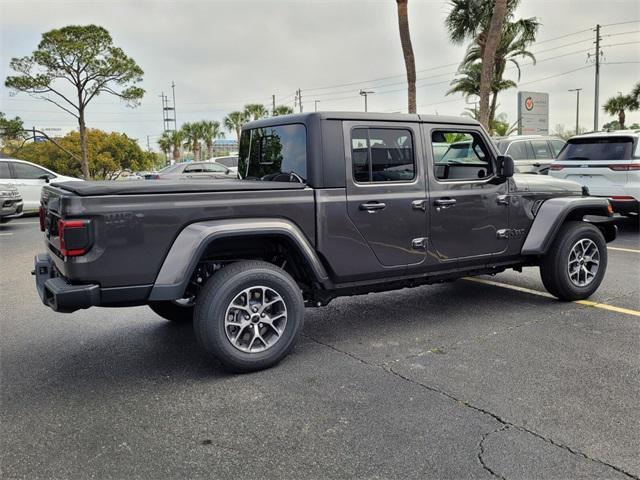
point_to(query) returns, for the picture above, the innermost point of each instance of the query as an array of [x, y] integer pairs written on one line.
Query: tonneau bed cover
[[145, 187]]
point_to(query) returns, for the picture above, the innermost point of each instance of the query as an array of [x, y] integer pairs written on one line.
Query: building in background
[[224, 146]]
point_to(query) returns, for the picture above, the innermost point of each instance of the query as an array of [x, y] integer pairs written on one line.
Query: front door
[[386, 190], [29, 179], [468, 202]]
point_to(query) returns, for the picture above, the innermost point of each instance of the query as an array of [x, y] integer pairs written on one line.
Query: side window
[[193, 168], [382, 155], [27, 172], [214, 168], [4, 170], [465, 157], [518, 150], [541, 149]]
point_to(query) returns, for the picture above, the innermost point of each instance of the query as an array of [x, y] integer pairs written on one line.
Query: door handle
[[419, 205], [372, 207], [445, 202]]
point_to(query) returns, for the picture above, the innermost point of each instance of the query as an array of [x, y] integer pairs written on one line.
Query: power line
[[554, 76], [620, 23]]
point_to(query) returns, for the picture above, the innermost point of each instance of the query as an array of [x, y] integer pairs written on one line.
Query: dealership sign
[[533, 113]]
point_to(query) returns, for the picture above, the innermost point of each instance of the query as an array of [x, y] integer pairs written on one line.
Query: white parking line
[[588, 303], [619, 249], [5, 234], [24, 223]]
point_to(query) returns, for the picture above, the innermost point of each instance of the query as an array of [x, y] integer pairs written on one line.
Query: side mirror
[[46, 177], [505, 166]]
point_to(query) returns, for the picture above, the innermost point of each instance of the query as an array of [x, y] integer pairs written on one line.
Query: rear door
[[29, 180], [468, 203], [386, 197]]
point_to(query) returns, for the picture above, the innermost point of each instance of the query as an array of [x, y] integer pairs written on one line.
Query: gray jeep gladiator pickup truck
[[330, 204]]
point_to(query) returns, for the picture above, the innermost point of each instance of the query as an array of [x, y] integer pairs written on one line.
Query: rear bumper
[[57, 293]]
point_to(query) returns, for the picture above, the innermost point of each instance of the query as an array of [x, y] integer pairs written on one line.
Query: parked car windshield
[[605, 148], [171, 168], [276, 153]]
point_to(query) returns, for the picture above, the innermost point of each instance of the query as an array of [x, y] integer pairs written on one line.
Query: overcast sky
[[223, 54]]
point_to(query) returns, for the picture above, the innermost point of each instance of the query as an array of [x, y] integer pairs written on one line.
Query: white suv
[[607, 163]]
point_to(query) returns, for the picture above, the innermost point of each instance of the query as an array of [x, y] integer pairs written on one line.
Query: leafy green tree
[[211, 130], [108, 154], [618, 105], [11, 128], [192, 134], [467, 83], [635, 93], [72, 66], [282, 110], [255, 111], [234, 121]]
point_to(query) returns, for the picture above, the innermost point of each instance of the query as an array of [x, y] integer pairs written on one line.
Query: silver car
[[10, 202], [193, 170], [530, 153]]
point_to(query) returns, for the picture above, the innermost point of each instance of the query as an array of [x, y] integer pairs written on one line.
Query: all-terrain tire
[[564, 256], [173, 312], [229, 322]]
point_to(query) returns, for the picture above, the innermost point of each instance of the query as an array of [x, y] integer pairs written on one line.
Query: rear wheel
[[575, 265], [249, 315], [176, 311]]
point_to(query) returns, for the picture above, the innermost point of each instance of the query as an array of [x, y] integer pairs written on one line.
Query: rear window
[[606, 148], [227, 161], [274, 153]]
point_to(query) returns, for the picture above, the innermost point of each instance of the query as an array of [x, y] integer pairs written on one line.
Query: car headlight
[[6, 193]]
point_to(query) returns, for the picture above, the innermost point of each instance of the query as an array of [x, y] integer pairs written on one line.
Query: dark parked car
[[334, 204], [10, 202], [192, 170], [530, 153]]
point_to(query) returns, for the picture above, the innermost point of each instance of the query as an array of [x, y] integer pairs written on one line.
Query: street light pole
[[315, 104], [577, 90], [365, 93]]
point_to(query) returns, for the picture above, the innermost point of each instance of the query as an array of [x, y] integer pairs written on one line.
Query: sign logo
[[528, 103]]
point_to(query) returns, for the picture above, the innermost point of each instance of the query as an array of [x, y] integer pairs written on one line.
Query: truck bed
[[145, 187]]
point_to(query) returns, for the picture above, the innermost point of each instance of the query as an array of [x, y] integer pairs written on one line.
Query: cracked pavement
[[460, 380]]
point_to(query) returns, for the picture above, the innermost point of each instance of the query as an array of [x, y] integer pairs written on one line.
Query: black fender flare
[[555, 211], [192, 241]]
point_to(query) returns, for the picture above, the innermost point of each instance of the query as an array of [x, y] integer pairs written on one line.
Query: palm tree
[[234, 121], [407, 52], [282, 110], [164, 142], [192, 134], [175, 139], [514, 40], [618, 105], [481, 21], [635, 93], [210, 131], [255, 111], [468, 82]]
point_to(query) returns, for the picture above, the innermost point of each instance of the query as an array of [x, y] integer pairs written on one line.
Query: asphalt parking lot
[[471, 379]]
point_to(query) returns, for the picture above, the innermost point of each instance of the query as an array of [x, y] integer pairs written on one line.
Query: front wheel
[[248, 315], [575, 265]]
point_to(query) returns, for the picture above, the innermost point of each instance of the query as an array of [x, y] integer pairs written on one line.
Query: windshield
[[170, 168], [276, 153], [605, 148], [227, 161]]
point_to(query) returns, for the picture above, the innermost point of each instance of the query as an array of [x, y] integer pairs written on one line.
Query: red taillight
[[74, 237], [625, 167], [621, 197], [556, 166], [41, 215]]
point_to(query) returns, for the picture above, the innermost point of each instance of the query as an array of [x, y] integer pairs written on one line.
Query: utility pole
[[577, 90], [173, 88], [148, 144], [315, 103], [298, 99], [596, 107], [273, 104], [365, 93]]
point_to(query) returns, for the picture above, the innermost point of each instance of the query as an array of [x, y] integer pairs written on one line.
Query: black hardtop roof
[[305, 118]]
